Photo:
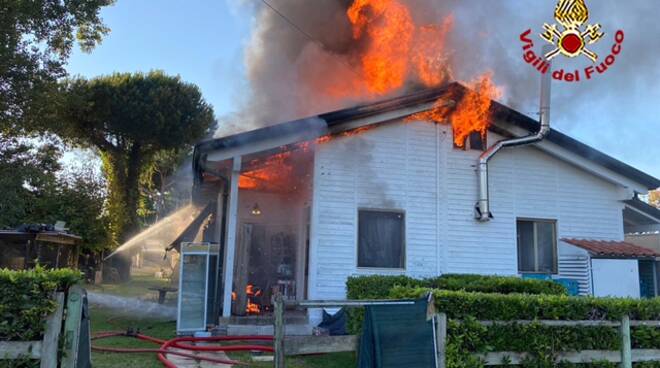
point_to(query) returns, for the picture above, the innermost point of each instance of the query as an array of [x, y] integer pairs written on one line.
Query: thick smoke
[[287, 70]]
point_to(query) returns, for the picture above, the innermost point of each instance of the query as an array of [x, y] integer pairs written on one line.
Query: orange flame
[[252, 308], [472, 112], [275, 170], [396, 47], [429, 55], [389, 28]]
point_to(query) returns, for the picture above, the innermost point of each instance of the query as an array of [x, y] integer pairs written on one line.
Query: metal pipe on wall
[[482, 208]]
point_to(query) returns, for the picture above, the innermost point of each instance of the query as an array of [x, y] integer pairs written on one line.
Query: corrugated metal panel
[[576, 268]]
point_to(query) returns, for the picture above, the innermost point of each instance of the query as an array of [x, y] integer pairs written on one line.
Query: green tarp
[[397, 336]]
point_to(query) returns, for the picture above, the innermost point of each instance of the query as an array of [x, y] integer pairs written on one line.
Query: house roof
[[616, 249], [308, 128], [644, 207]]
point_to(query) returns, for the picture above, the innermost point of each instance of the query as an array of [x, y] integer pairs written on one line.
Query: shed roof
[[307, 128], [58, 237], [615, 249]]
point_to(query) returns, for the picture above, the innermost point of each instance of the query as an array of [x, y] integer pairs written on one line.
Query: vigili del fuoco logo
[[572, 37]]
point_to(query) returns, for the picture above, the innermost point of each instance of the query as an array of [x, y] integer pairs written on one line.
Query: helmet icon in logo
[[572, 40]]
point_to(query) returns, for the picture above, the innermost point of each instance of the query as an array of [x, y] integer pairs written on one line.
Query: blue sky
[[204, 43]]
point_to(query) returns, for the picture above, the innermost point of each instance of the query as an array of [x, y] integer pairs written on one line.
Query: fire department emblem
[[572, 40]]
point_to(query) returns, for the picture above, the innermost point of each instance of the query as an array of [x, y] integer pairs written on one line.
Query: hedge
[[377, 286], [26, 300], [543, 342]]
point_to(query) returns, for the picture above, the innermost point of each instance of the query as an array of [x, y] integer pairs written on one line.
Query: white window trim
[[555, 248]]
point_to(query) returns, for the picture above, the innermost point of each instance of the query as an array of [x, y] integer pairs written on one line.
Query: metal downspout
[[482, 208]]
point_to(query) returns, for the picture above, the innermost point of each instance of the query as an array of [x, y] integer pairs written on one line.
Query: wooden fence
[[46, 350], [300, 345]]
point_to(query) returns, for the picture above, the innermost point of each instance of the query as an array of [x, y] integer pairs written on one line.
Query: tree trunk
[[123, 171]]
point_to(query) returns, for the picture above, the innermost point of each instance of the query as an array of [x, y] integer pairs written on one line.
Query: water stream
[[133, 307], [164, 232]]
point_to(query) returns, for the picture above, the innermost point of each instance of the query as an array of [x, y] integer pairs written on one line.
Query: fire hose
[[179, 343]]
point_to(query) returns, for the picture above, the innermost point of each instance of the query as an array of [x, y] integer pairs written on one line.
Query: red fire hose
[[165, 346]]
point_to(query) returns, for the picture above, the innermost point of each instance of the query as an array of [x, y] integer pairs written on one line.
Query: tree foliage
[[130, 119], [36, 39], [164, 185], [36, 190]]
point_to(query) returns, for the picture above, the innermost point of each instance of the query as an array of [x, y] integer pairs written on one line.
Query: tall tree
[[128, 119], [36, 39]]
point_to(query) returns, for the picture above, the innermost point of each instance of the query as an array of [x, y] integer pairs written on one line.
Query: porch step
[[264, 320], [290, 330]]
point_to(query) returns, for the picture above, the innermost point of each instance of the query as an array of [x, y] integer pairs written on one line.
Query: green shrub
[[496, 284], [26, 300], [543, 342], [378, 286]]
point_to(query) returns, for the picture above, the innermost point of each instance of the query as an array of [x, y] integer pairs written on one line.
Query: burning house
[[389, 188], [428, 177]]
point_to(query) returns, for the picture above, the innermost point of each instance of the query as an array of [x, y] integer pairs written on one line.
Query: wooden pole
[[441, 338], [278, 344], [626, 345], [52, 334]]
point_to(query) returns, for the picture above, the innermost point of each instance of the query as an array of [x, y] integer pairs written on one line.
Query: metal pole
[[626, 348], [278, 344]]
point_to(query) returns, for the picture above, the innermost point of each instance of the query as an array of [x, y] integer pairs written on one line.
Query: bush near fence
[[542, 341], [378, 286], [26, 300]]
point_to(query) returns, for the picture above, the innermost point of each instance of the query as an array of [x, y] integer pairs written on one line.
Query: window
[[537, 246], [475, 141], [381, 239]]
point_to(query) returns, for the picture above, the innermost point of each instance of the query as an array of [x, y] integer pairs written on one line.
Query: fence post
[[278, 332], [50, 343], [72, 324], [441, 331], [626, 348]]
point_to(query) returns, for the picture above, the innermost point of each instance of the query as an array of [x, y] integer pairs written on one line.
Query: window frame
[[555, 248], [403, 240]]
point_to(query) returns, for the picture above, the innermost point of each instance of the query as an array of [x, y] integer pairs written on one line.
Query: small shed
[[29, 245], [613, 268]]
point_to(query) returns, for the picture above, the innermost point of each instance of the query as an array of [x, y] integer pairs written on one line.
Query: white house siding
[[414, 167]]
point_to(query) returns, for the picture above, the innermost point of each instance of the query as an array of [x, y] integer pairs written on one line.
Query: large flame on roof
[[398, 48]]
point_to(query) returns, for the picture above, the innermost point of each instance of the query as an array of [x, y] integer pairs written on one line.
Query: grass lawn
[[104, 319], [138, 287]]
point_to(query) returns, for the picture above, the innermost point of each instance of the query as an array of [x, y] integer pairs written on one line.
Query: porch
[[263, 204]]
